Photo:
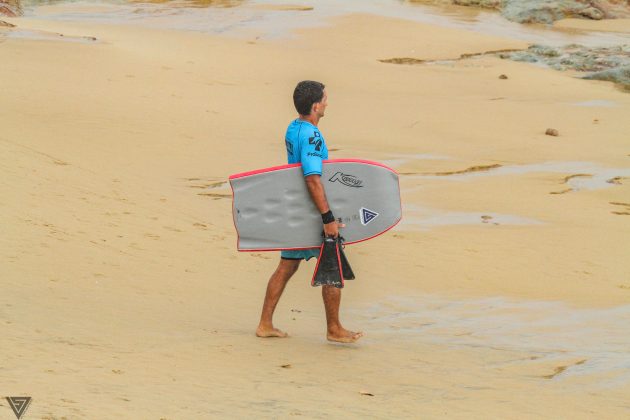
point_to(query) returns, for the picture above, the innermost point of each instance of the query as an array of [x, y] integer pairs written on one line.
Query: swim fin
[[328, 268], [346, 270]]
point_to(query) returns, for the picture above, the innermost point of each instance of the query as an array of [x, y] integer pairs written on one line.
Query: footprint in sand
[[260, 256], [173, 229], [215, 196], [623, 209], [558, 370]]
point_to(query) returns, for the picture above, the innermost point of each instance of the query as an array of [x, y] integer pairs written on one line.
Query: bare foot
[[344, 336], [270, 332]]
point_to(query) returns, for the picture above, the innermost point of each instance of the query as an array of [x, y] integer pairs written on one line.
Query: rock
[[540, 11], [503, 77], [547, 11], [612, 9], [5, 11], [575, 57], [619, 75], [544, 50], [11, 8], [592, 13], [488, 4], [552, 132]]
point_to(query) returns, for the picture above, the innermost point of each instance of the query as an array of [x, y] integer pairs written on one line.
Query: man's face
[[320, 107]]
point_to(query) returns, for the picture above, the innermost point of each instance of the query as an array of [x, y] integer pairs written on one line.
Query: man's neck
[[312, 118]]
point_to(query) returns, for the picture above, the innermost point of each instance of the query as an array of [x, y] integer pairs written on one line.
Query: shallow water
[[417, 218], [603, 103], [589, 176], [395, 160], [239, 17], [48, 36], [412, 222], [596, 342]]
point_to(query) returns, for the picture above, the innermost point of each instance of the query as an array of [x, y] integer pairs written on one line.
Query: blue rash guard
[[305, 145]]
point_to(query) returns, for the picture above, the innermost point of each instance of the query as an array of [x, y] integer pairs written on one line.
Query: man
[[306, 145]]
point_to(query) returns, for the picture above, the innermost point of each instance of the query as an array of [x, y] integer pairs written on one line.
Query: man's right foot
[[342, 335], [270, 332]]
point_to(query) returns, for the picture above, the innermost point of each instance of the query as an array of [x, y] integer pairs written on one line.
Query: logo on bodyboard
[[367, 215], [347, 180]]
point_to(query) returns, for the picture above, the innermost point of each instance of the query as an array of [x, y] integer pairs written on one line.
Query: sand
[[604, 25], [505, 292]]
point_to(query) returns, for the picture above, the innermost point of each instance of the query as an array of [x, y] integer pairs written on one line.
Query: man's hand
[[331, 230]]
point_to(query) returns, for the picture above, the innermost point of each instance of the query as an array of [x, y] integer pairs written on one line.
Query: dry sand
[[505, 292]]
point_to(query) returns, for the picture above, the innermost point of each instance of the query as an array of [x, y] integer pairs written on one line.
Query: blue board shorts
[[302, 254]]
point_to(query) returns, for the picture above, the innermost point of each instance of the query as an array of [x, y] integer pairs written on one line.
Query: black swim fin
[[346, 270], [328, 269]]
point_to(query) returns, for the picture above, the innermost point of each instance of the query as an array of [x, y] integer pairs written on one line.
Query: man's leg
[[332, 300], [275, 287]]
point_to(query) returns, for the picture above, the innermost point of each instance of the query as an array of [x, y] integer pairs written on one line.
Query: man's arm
[[318, 195]]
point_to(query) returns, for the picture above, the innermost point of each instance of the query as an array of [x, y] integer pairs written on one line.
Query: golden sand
[[123, 295]]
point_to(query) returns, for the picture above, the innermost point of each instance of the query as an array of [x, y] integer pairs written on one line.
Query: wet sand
[[604, 25], [504, 294]]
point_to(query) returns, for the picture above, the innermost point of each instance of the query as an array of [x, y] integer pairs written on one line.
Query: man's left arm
[[318, 195]]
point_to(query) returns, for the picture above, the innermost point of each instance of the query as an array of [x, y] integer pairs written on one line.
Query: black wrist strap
[[328, 217]]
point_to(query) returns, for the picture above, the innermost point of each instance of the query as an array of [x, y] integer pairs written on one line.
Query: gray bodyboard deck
[[272, 208]]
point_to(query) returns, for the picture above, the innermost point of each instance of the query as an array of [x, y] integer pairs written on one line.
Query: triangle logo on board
[[19, 405], [367, 216]]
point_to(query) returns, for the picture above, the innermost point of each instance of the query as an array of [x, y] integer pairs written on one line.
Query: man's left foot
[[344, 336], [270, 332]]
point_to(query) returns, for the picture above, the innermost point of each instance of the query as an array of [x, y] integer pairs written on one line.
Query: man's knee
[[289, 267]]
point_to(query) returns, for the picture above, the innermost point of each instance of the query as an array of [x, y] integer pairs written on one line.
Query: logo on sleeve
[[347, 180], [316, 140], [367, 215]]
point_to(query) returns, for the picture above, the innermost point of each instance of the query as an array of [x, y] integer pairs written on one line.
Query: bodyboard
[[272, 209]]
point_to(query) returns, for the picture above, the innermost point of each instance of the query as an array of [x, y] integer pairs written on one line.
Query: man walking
[[306, 145]]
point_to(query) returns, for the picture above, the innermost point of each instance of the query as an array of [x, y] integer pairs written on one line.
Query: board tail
[[328, 269]]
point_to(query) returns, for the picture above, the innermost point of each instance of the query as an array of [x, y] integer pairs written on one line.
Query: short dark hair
[[306, 93]]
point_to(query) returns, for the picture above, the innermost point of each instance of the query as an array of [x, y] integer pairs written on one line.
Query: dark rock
[[488, 4], [540, 11], [619, 75], [574, 57], [548, 11], [552, 132], [11, 8], [592, 13], [503, 77]]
